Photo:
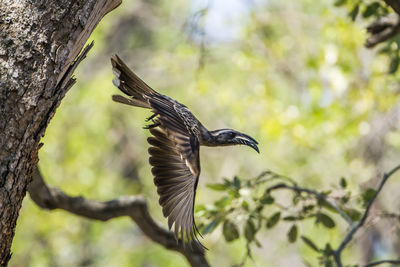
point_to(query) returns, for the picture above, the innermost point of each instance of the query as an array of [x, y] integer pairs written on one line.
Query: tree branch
[[395, 4], [132, 206], [337, 253], [318, 195], [383, 29], [386, 27], [382, 262]]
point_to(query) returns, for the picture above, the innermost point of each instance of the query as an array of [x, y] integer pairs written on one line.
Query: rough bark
[[39, 46]]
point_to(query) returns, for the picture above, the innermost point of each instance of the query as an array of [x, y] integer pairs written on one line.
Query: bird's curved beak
[[248, 141]]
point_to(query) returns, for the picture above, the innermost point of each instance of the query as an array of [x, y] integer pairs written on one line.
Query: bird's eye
[[232, 135]]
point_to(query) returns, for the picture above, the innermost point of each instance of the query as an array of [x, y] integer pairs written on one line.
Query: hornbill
[[174, 153]]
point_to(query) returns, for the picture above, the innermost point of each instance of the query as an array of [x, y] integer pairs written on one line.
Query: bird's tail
[[130, 84]]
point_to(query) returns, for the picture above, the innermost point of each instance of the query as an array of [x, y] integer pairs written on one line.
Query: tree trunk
[[39, 47]]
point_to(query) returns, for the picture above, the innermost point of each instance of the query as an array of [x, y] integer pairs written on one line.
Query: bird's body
[[175, 146]]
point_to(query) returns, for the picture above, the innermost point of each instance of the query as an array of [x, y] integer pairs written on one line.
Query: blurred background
[[292, 74]]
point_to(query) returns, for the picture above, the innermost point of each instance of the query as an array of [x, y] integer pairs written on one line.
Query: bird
[[176, 137]]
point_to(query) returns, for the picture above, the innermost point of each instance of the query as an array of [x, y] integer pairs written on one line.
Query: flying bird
[[175, 145]]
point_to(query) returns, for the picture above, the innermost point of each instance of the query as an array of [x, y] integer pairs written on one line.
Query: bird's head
[[229, 137]]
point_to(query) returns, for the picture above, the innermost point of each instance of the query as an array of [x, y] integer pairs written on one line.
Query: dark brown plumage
[[175, 147]]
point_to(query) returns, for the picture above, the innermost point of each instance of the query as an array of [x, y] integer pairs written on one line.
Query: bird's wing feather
[[166, 108], [176, 170], [174, 151]]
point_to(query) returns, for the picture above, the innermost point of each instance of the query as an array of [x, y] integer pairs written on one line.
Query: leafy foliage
[[373, 11], [243, 199]]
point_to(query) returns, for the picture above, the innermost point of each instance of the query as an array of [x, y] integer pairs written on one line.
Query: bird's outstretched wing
[[176, 169], [174, 154]]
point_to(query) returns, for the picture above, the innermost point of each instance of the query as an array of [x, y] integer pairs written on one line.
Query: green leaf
[[339, 2], [309, 243], [210, 227], [367, 195], [259, 208], [326, 205], [249, 230], [273, 220], [236, 183], [394, 64], [371, 9], [295, 199], [267, 199], [245, 205], [290, 218], [345, 198], [328, 249], [308, 208], [325, 220], [343, 182], [227, 182], [234, 193], [354, 12], [329, 263], [217, 187], [385, 49], [354, 214], [292, 234], [230, 231], [222, 202]]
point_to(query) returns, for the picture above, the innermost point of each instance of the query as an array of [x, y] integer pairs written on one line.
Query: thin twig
[[390, 215], [337, 253], [317, 195], [132, 206], [382, 30], [381, 262], [385, 27]]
